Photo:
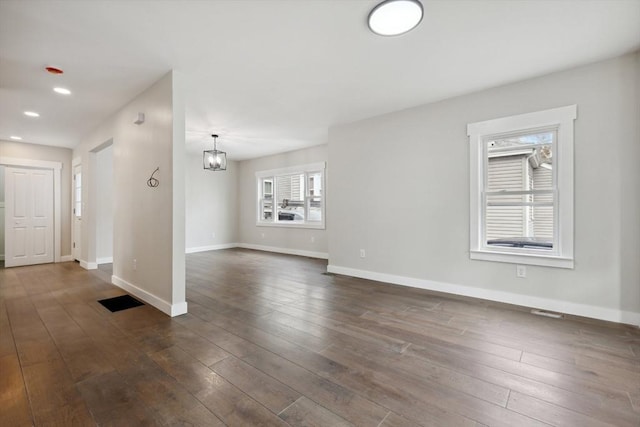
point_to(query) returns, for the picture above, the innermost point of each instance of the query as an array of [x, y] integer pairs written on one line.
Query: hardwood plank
[[550, 413], [336, 398], [227, 402], [14, 405], [268, 391], [394, 420], [81, 356], [189, 372], [429, 401], [166, 396], [112, 401], [33, 342], [604, 403], [7, 344], [307, 413], [53, 395]]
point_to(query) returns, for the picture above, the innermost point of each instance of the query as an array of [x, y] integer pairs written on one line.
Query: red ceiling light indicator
[[54, 70]]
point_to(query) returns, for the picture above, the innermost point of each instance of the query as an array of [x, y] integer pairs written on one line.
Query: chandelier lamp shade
[[215, 160]]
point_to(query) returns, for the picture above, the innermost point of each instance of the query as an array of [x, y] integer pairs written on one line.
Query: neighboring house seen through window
[[292, 197], [522, 188]]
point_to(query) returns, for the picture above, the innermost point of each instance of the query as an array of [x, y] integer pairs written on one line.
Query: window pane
[[520, 163], [290, 197], [517, 221], [266, 210], [267, 188], [315, 209], [315, 184]]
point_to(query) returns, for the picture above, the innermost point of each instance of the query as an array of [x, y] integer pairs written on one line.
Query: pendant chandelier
[[215, 160]]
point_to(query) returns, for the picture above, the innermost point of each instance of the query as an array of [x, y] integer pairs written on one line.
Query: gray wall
[[400, 189], [293, 239], [104, 203], [21, 150], [211, 205], [148, 223]]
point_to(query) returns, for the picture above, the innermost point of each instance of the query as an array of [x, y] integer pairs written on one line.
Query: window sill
[[318, 226], [528, 259]]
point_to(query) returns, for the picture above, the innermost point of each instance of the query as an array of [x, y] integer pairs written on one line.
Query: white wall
[[148, 223], [104, 205], [400, 189], [211, 205], [21, 150], [289, 240]]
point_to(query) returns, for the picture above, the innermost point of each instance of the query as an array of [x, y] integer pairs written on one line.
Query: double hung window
[[522, 188], [292, 197]]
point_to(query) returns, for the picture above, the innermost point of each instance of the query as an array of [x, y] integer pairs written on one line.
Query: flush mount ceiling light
[[17, 138], [62, 90], [215, 160], [31, 114], [395, 17]]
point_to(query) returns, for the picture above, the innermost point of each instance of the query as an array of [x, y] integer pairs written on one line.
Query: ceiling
[[273, 75]]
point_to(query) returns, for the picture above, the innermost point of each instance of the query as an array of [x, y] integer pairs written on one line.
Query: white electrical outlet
[[135, 264], [521, 271], [262, 235], [213, 235], [313, 239], [362, 253]]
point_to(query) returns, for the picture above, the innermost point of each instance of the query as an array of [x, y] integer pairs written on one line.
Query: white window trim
[[307, 168], [562, 119]]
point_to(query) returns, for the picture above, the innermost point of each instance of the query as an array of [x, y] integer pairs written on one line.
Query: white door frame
[[74, 163], [57, 180]]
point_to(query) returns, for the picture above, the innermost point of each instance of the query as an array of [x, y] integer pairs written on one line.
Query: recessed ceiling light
[[62, 91], [395, 17], [31, 114], [17, 138]]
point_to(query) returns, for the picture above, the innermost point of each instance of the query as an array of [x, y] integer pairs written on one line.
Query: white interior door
[[28, 216], [77, 210]]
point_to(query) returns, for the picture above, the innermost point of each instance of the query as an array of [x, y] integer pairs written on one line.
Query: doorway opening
[[104, 204]]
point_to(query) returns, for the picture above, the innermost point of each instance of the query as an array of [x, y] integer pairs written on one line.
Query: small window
[[522, 188], [77, 201], [292, 196]]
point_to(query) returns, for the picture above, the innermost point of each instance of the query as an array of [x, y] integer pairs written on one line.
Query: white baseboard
[[66, 258], [104, 260], [602, 313], [211, 248], [159, 303], [310, 254], [88, 265]]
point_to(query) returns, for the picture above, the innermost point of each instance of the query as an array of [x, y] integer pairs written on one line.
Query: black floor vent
[[120, 303]]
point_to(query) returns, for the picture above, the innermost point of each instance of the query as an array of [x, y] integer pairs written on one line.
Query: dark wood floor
[[270, 340]]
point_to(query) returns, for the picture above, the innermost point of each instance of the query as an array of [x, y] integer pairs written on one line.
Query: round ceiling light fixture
[[395, 17], [16, 138], [31, 114]]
